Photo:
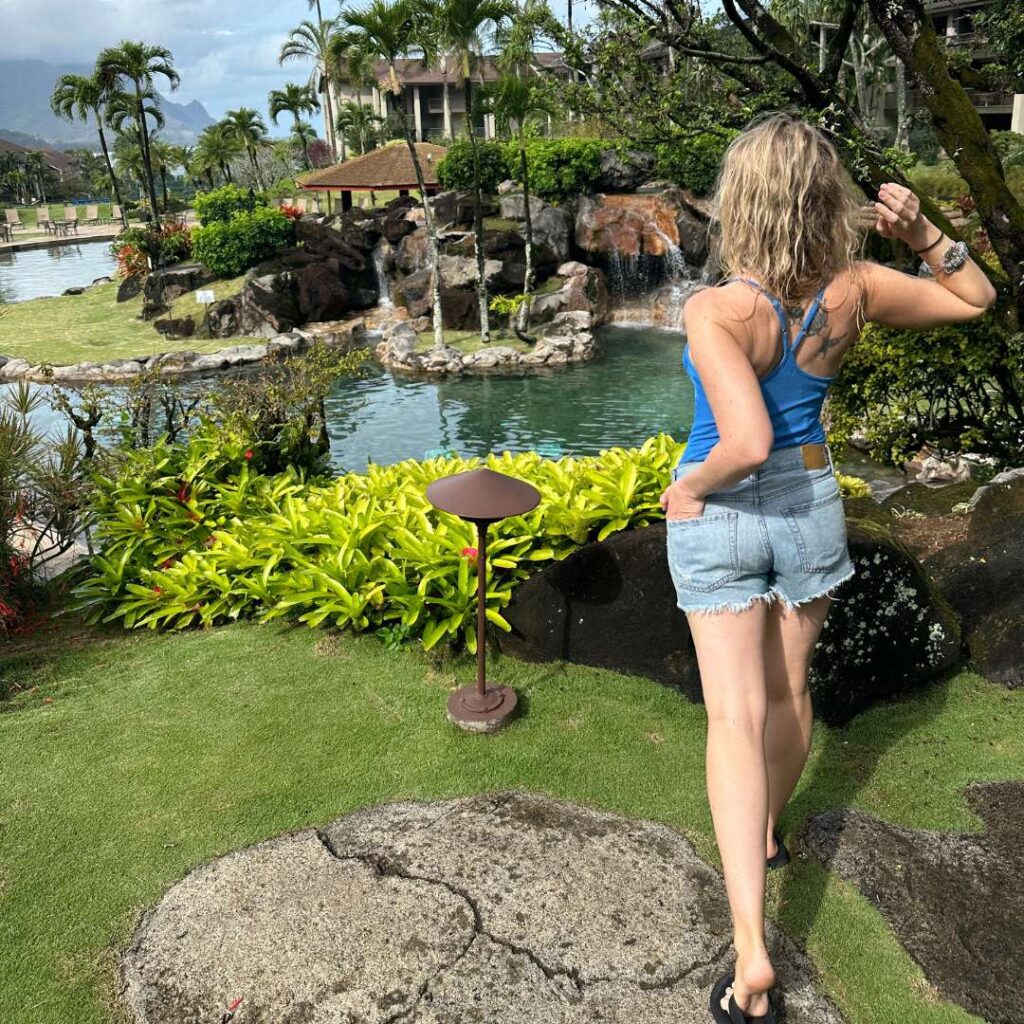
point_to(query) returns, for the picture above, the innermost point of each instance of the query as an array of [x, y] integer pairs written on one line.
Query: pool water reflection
[[35, 273], [638, 388]]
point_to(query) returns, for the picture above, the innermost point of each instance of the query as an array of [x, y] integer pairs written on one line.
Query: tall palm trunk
[[331, 139], [524, 312], [163, 185], [448, 133], [478, 221], [209, 176], [431, 226], [302, 140], [110, 170], [146, 161], [256, 168]]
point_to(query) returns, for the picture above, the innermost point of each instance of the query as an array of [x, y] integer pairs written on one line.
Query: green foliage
[[194, 534], [456, 169], [958, 387], [220, 204], [940, 180], [171, 243], [694, 161], [1010, 147], [561, 168], [229, 247]]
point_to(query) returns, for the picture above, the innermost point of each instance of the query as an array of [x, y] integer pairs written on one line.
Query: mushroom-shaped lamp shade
[[483, 496]]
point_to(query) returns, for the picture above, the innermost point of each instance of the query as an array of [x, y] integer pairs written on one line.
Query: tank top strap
[[812, 312], [780, 310]]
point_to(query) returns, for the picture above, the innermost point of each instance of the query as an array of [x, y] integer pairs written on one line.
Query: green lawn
[[126, 760], [95, 328], [28, 215], [469, 341]]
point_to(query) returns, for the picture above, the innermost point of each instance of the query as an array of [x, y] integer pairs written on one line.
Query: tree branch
[[841, 40]]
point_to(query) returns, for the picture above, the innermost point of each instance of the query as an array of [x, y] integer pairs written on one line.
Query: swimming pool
[[35, 273]]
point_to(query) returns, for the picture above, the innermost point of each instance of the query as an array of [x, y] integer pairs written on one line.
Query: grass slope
[[93, 327], [127, 760]]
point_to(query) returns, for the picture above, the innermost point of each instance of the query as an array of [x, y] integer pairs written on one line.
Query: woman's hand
[[898, 215], [679, 503]]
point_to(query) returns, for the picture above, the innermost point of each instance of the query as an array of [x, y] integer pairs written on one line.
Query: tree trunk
[[902, 128], [448, 134], [478, 221], [302, 141], [163, 185], [961, 132], [110, 170], [431, 226], [331, 139], [147, 164], [524, 316], [256, 169]]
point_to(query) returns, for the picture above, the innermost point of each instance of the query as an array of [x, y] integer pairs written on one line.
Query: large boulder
[[223, 317], [623, 172], [628, 225], [612, 604], [162, 287], [983, 578], [349, 247], [456, 207], [321, 294], [576, 287], [269, 303]]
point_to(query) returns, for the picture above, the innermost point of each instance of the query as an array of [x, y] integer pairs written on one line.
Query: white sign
[[205, 296]]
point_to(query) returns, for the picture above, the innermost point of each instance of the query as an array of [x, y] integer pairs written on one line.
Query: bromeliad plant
[[193, 534]]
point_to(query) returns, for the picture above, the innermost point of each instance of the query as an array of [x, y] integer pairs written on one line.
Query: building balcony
[[983, 102]]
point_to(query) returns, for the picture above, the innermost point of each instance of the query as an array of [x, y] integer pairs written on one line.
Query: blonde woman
[[756, 534]]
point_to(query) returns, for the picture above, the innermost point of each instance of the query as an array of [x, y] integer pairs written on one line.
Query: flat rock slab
[[509, 907], [953, 899]]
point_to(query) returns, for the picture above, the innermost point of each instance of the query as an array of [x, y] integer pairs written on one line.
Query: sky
[[225, 50]]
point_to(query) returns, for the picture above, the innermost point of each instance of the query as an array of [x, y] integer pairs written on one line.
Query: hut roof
[[385, 168]]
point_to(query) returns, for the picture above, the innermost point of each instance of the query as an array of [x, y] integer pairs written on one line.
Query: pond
[[638, 388], [35, 273]]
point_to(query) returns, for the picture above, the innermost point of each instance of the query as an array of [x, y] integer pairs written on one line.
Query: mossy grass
[[94, 327], [129, 759], [467, 342]]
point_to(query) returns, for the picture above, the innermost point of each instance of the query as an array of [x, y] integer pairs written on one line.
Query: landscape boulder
[[222, 317], [456, 207], [176, 327], [983, 578], [612, 604], [162, 287], [623, 171], [575, 287]]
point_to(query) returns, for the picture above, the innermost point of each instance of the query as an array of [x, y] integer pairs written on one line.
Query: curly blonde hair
[[786, 211]]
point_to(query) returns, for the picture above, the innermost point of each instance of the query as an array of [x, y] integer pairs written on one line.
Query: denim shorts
[[778, 534]]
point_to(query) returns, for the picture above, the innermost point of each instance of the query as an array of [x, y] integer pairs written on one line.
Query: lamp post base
[[486, 712]]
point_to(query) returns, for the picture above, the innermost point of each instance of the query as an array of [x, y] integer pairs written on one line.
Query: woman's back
[[795, 352]]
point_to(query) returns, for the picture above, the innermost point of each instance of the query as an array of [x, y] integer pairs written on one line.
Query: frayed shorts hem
[[769, 597]]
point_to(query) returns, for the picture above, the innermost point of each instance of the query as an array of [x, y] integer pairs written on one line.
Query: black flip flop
[[735, 1015], [781, 858]]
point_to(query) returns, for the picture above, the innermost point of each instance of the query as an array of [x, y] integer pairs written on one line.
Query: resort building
[[423, 94]]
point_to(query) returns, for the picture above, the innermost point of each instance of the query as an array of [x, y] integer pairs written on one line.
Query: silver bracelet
[[952, 259]]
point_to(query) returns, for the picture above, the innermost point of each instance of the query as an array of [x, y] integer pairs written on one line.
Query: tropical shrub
[[456, 168], [219, 205], [131, 260], [229, 247], [693, 162], [194, 534], [561, 168], [171, 243], [958, 387]]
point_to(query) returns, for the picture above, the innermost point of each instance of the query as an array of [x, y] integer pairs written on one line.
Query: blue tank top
[[792, 396]]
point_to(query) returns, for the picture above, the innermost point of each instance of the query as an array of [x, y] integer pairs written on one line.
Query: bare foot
[[772, 847], [754, 977]]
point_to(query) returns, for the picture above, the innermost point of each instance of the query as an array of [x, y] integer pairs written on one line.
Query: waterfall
[[381, 256]]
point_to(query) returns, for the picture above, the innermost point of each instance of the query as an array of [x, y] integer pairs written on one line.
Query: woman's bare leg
[[730, 654], [790, 637]]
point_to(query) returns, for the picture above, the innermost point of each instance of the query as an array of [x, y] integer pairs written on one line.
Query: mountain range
[[25, 88]]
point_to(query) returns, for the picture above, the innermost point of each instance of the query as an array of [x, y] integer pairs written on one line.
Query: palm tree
[[128, 160], [514, 101], [121, 111], [351, 61], [78, 96], [391, 30], [296, 100], [461, 26], [249, 129], [215, 148], [138, 63], [311, 41], [165, 156], [356, 124]]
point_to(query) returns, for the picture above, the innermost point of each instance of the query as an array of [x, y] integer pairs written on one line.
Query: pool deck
[[39, 240]]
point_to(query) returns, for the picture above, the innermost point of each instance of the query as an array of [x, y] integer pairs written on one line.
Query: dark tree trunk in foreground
[[960, 130]]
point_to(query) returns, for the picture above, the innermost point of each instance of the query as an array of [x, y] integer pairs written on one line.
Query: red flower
[[158, 590], [183, 493], [248, 453], [470, 553], [166, 563]]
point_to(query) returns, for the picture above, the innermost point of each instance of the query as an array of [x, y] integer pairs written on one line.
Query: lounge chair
[[115, 213], [300, 205], [44, 220], [13, 220], [92, 215], [71, 218]]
